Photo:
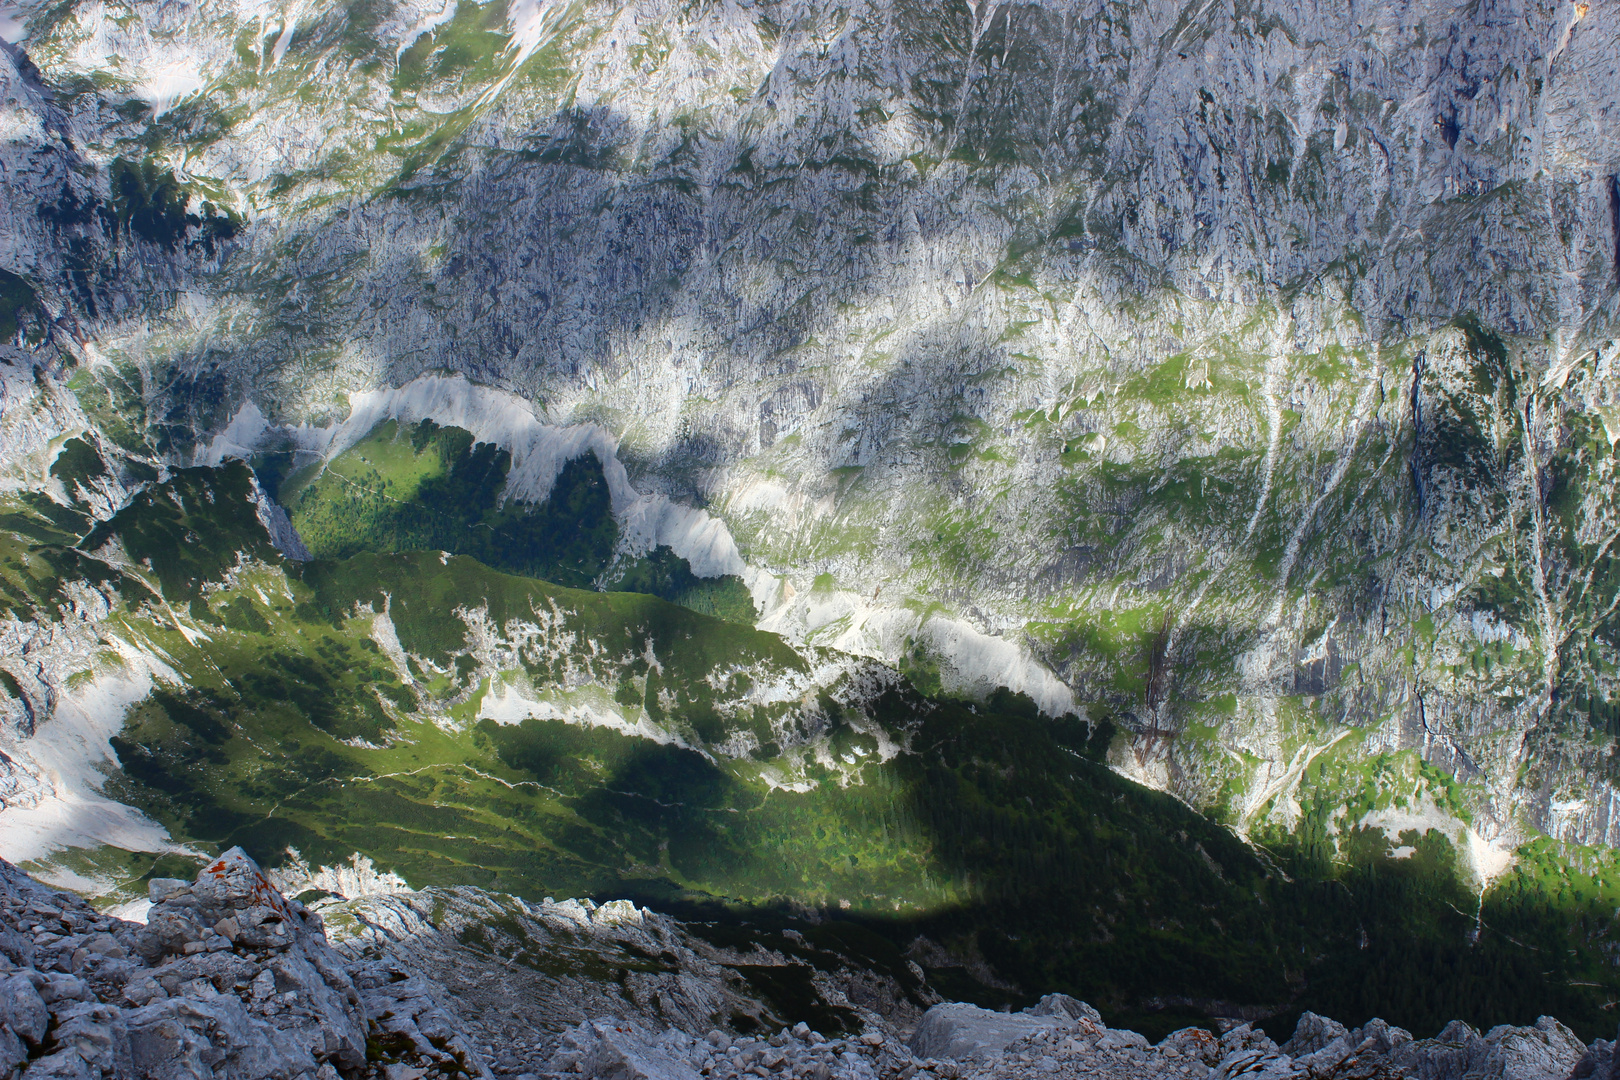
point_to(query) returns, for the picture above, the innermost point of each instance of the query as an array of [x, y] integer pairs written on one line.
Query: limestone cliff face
[[1250, 364]]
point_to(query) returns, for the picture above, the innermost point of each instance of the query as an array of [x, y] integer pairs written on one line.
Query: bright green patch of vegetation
[[468, 49], [431, 488], [189, 531], [994, 832], [38, 559]]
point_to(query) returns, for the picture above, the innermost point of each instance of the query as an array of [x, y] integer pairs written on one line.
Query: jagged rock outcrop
[[1598, 1063], [967, 1032], [521, 973], [543, 967], [226, 979], [1065, 1038]]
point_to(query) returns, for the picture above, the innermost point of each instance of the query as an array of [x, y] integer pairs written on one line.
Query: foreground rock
[[968, 1033], [1064, 1038], [522, 973], [228, 979]]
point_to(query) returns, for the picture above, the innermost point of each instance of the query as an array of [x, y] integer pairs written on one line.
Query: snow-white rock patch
[[356, 878], [70, 757], [506, 702]]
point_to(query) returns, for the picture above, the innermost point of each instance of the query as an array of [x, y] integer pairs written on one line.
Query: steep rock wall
[[1253, 364]]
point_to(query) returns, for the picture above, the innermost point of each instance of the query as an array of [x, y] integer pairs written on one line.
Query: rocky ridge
[[227, 978], [520, 971], [1063, 1038]]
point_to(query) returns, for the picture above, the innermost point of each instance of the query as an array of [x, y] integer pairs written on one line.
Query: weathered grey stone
[[1598, 1063], [176, 1011], [12, 1051], [190, 1037], [1326, 1060], [61, 989], [610, 1049], [965, 1032], [1194, 1043], [1254, 1063], [1457, 1032], [1247, 1037], [161, 889], [22, 1009], [1379, 1036], [1525, 1053], [327, 1021], [92, 1040], [1062, 1005], [1546, 1050], [1312, 1033]]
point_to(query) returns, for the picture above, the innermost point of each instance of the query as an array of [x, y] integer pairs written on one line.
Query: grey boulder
[[1598, 1063], [609, 1049], [964, 1032], [195, 1038], [22, 1010], [1546, 1050]]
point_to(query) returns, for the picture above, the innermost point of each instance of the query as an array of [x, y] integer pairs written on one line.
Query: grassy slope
[[430, 488], [997, 834]]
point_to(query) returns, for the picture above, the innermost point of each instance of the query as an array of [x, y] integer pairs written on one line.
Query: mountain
[[1117, 497]]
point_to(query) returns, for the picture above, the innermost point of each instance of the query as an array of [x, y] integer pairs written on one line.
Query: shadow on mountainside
[[566, 252], [557, 269], [566, 247], [1089, 884], [996, 849]]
